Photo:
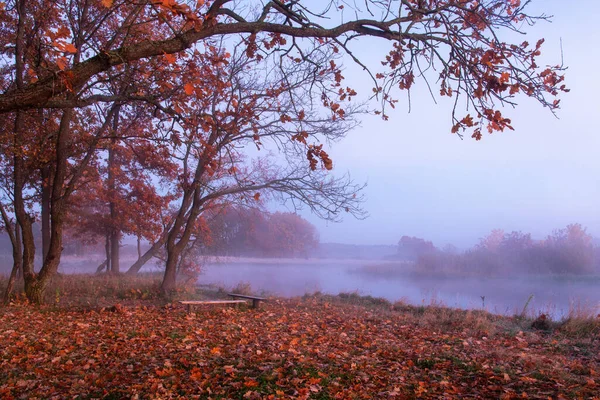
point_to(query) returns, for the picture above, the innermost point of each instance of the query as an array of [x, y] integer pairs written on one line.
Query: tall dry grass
[[91, 290], [581, 323]]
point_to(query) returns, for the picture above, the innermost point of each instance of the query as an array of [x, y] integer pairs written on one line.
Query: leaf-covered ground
[[312, 348]]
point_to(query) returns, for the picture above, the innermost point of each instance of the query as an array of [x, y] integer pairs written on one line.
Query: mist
[[554, 296], [506, 273]]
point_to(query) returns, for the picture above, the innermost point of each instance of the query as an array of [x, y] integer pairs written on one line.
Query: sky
[[423, 181]]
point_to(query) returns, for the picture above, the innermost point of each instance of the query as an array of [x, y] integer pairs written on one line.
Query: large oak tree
[[69, 67]]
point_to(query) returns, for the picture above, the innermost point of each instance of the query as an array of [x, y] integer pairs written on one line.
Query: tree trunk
[[15, 240], [107, 252], [35, 286], [169, 283], [20, 175], [102, 266], [11, 281], [115, 235], [189, 210], [23, 218], [19, 172], [139, 247], [35, 290], [147, 256], [46, 198], [175, 247], [115, 239]]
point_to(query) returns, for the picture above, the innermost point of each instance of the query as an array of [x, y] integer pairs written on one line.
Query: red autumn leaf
[[62, 63], [70, 48]]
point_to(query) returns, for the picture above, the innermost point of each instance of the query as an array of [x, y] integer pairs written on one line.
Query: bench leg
[[255, 303]]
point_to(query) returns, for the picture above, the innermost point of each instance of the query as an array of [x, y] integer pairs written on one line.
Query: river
[[556, 296]]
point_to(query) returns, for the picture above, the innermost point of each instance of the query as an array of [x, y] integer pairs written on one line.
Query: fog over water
[[553, 295]]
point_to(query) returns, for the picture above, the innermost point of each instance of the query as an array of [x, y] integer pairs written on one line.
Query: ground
[[315, 347]]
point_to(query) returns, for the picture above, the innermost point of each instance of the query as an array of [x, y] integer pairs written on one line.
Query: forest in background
[[251, 232], [233, 231], [570, 250]]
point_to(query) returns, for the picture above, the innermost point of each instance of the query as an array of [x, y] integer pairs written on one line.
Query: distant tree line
[[250, 232], [570, 250], [229, 231]]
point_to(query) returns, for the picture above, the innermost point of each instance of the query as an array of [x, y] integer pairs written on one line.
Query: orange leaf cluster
[[316, 153]]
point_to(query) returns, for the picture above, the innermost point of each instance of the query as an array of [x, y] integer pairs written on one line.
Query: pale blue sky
[[425, 182]]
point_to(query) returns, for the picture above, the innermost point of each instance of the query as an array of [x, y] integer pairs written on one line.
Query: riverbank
[[105, 337]]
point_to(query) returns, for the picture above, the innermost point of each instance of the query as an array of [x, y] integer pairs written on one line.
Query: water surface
[[556, 295]]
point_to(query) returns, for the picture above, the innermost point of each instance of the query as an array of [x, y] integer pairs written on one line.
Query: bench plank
[[190, 303], [246, 296], [255, 299], [213, 302]]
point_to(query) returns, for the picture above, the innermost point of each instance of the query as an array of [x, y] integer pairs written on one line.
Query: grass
[[104, 290], [434, 317], [580, 323], [243, 288]]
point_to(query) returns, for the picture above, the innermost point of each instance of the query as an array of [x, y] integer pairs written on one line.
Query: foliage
[[411, 248], [250, 232], [566, 251], [319, 347]]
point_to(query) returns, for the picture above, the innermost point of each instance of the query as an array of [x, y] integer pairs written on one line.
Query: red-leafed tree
[[58, 146], [566, 251], [241, 231], [120, 194], [289, 235], [493, 241], [68, 67], [233, 231]]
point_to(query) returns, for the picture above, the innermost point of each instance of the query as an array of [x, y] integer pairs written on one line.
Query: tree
[[242, 231], [569, 250], [120, 195], [68, 67], [492, 241], [13, 232], [290, 235], [233, 230], [565, 251], [411, 248], [461, 36], [239, 106], [68, 138]]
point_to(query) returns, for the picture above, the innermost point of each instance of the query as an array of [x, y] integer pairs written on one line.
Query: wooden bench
[[191, 303], [255, 299]]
